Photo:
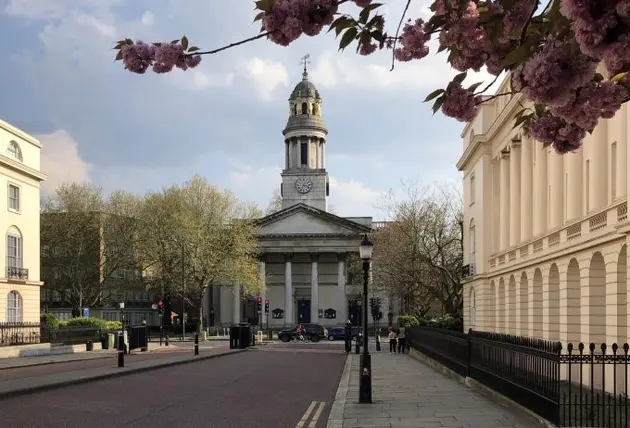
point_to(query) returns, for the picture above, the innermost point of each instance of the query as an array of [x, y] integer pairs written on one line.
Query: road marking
[[306, 415], [317, 414]]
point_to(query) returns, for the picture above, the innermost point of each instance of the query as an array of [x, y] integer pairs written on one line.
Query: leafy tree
[[199, 236], [418, 255], [275, 204], [550, 50], [85, 239]]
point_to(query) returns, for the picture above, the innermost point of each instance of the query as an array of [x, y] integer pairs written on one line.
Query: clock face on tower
[[303, 185]]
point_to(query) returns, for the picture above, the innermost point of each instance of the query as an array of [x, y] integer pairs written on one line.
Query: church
[[304, 248]]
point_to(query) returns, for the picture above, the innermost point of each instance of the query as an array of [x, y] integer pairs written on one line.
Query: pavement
[[247, 390], [407, 393]]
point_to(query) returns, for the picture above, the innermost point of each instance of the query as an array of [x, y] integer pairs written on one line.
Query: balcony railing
[[556, 240], [17, 273]]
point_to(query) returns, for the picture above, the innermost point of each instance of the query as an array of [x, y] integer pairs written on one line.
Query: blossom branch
[[402, 18], [491, 83], [490, 98], [232, 45]]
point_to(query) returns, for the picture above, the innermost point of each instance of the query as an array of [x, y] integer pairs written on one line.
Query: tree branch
[[402, 18]]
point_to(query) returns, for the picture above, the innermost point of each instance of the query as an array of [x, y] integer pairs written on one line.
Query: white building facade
[[304, 248], [545, 234], [20, 179]]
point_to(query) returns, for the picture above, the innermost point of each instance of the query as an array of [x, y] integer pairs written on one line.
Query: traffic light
[[259, 304], [160, 308], [266, 307], [372, 303]]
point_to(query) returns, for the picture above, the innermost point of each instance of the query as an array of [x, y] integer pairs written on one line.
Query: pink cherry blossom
[[289, 19], [414, 42], [460, 103], [564, 137], [362, 3]]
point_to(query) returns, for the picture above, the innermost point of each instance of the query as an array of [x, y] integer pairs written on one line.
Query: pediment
[[305, 220]]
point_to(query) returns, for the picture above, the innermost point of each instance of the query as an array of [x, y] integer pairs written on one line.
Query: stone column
[[314, 289], [598, 174], [540, 190], [496, 205], [527, 166], [236, 308], [574, 177], [504, 200], [342, 310], [555, 176], [515, 197], [263, 285], [288, 290], [621, 137]]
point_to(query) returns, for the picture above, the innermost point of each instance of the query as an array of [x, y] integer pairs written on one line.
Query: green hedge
[[447, 322], [407, 321], [92, 322]]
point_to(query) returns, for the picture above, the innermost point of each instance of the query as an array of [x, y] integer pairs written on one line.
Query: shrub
[[49, 322], [407, 321], [87, 323], [447, 322], [113, 326]]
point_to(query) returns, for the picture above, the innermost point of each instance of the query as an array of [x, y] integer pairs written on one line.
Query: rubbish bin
[[89, 346], [245, 339], [235, 335]]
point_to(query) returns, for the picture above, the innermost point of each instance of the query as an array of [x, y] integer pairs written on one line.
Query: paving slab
[[408, 393]]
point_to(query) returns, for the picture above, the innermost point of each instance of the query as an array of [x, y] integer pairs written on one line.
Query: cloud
[[148, 18], [354, 199], [61, 161], [267, 76]]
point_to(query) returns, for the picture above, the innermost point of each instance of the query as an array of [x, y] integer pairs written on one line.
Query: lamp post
[[365, 376], [183, 292]]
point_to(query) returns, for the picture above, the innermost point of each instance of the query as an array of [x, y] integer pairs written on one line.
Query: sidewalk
[[23, 385], [407, 393]]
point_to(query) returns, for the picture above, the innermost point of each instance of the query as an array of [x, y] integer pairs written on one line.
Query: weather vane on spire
[[304, 61]]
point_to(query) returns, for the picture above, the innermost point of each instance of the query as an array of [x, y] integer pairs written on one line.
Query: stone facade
[[20, 178]]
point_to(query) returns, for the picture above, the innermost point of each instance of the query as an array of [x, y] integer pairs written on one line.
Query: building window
[[14, 198], [473, 307], [304, 153], [472, 189], [14, 151], [14, 251], [472, 244], [304, 108], [14, 307]]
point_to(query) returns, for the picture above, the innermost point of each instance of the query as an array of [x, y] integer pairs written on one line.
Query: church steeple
[[304, 178]]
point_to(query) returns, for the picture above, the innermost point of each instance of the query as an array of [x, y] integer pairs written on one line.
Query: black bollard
[[121, 351], [378, 342], [358, 346], [166, 340], [196, 343]]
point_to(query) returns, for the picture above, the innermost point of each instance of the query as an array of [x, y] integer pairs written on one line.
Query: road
[[257, 389]]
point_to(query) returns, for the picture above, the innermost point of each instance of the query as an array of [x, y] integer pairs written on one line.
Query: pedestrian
[[392, 340], [401, 339]]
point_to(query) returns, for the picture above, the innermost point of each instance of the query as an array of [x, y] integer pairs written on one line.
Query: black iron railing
[[17, 273], [582, 386], [19, 333]]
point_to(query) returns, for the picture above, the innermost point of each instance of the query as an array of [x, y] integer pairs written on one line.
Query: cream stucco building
[[545, 234], [303, 266], [20, 178]]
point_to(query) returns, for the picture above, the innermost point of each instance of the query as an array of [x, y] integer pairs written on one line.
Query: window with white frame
[[472, 189], [14, 250], [14, 151], [472, 242], [473, 307], [14, 307], [14, 198]]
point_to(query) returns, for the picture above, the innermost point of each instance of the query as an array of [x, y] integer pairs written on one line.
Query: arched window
[[14, 151], [14, 307], [304, 108], [473, 307], [14, 252]]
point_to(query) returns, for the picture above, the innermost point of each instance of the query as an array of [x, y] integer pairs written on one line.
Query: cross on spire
[[305, 61]]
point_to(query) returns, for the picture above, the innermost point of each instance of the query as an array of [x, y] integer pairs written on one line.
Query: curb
[[335, 417], [125, 371]]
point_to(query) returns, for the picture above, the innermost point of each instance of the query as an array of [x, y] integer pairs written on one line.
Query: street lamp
[[365, 379], [122, 314]]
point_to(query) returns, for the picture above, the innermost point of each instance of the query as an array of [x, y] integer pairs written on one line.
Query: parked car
[[313, 332], [339, 333]]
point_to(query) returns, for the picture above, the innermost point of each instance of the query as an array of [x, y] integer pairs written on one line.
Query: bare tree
[[418, 254], [275, 204]]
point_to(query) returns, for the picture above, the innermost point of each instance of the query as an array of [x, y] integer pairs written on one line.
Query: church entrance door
[[304, 311]]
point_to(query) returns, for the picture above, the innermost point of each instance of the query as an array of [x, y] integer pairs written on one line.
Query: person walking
[[401, 339], [392, 340]]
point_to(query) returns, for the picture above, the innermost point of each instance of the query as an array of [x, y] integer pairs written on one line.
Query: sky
[[102, 124]]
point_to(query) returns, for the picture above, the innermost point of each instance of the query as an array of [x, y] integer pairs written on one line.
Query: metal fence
[[583, 386], [19, 333]]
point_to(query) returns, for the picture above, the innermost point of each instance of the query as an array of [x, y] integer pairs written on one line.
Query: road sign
[[154, 306], [86, 312]]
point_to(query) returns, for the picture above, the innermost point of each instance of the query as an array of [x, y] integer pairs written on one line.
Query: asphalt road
[[248, 390], [71, 366]]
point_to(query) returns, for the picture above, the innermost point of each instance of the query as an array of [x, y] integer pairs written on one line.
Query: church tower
[[304, 177]]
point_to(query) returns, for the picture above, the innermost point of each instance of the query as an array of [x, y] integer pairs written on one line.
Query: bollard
[[121, 351], [196, 343], [378, 342], [358, 346], [166, 340]]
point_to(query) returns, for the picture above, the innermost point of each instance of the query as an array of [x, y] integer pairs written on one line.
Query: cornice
[[19, 133], [21, 168]]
